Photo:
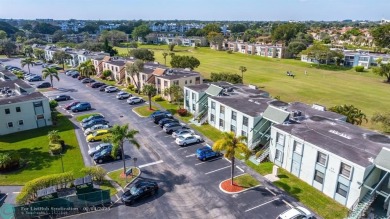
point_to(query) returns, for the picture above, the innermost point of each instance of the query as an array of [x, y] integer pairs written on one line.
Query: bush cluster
[[96, 172], [158, 98], [182, 112], [359, 68], [131, 87], [9, 161]]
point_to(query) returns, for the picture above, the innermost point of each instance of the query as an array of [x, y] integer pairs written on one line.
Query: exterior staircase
[[362, 206], [264, 154]]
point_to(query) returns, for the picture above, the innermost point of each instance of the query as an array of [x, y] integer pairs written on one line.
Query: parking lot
[[189, 187]]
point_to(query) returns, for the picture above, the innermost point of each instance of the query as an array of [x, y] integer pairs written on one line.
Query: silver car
[[94, 128], [135, 100], [182, 131], [184, 140], [98, 148], [122, 95], [110, 89]]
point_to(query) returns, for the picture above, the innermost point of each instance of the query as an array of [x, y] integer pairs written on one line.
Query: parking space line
[[217, 170], [270, 191], [240, 168], [150, 164], [250, 209], [180, 148], [89, 146], [285, 202], [208, 161], [191, 155]]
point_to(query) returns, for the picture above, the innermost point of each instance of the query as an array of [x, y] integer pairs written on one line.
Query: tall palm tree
[[353, 114], [242, 69], [383, 70], [28, 62], [150, 90], [165, 54], [174, 91], [87, 68], [119, 134], [50, 72], [230, 143], [133, 70]]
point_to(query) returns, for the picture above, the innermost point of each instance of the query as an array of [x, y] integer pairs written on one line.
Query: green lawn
[[144, 110], [246, 181], [208, 131], [321, 86], [79, 118], [112, 83], [32, 145], [115, 175], [263, 168]]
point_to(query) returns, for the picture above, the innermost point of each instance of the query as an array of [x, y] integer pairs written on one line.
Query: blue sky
[[197, 9]]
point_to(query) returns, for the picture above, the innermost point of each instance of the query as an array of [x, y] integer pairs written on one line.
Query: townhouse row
[[348, 163], [265, 50]]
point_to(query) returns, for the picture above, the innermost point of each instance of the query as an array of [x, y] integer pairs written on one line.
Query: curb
[[137, 113], [139, 173], [231, 193]]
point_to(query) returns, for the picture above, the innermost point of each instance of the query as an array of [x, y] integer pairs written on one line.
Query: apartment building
[[98, 62], [117, 67], [265, 50], [21, 107], [346, 162]]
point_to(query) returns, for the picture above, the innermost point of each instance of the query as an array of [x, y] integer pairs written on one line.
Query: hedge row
[[96, 172], [30, 189]]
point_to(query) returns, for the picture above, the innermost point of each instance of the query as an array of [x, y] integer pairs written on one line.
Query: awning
[[275, 115], [382, 161], [213, 90]]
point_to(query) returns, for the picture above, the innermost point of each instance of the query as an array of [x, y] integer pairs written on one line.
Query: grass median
[[116, 176], [145, 111]]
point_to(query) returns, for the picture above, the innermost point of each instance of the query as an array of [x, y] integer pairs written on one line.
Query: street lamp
[[62, 162]]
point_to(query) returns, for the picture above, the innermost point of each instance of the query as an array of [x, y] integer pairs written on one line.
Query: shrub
[[182, 112], [55, 148], [107, 73], [158, 98], [359, 68], [53, 104], [96, 172], [229, 52], [131, 87], [53, 136], [30, 188], [9, 161]]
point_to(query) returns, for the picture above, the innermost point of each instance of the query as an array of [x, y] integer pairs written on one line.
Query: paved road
[[189, 188]]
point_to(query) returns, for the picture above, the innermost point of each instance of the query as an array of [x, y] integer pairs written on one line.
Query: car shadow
[[66, 89]]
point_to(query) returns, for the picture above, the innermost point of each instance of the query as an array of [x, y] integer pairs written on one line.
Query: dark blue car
[[206, 152], [81, 107]]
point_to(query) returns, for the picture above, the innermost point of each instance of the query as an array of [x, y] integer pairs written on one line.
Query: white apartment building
[[21, 107]]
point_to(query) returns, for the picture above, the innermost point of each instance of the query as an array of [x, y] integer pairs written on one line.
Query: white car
[[134, 100], [110, 89], [295, 213], [94, 128], [122, 95], [188, 139], [38, 63], [180, 132]]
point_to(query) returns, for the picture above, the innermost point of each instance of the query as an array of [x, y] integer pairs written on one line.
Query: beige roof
[[158, 71]]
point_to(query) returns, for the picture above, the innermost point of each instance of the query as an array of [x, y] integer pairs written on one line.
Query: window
[[245, 121], [7, 111], [345, 170], [185, 82], [321, 158], [342, 189], [222, 109], [280, 139], [20, 122], [38, 104], [40, 116], [165, 83], [278, 155], [233, 128], [243, 133], [212, 117], [10, 125], [193, 96], [319, 176], [234, 115], [298, 147], [18, 109], [221, 123], [212, 105]]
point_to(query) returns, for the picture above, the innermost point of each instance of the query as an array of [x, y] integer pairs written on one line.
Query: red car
[[71, 104]]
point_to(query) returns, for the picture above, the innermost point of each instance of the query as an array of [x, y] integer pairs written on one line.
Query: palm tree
[[353, 114], [119, 134], [28, 62], [28, 50], [133, 69], [150, 90], [165, 54], [87, 68], [50, 72], [174, 91], [230, 143], [383, 70], [242, 69], [53, 136]]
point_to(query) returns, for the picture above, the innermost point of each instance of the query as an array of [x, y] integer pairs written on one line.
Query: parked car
[[98, 135], [70, 72], [298, 212], [62, 97], [184, 140], [159, 112], [81, 107], [44, 85], [135, 100], [157, 118], [110, 89], [94, 122], [105, 155], [92, 151], [103, 88], [70, 105], [95, 128], [182, 131], [171, 127], [87, 80], [92, 117], [81, 77], [97, 84], [206, 152], [35, 78], [122, 95], [38, 63], [166, 120], [75, 75], [138, 191]]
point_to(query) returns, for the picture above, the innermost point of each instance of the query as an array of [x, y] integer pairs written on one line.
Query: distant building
[[265, 50]]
